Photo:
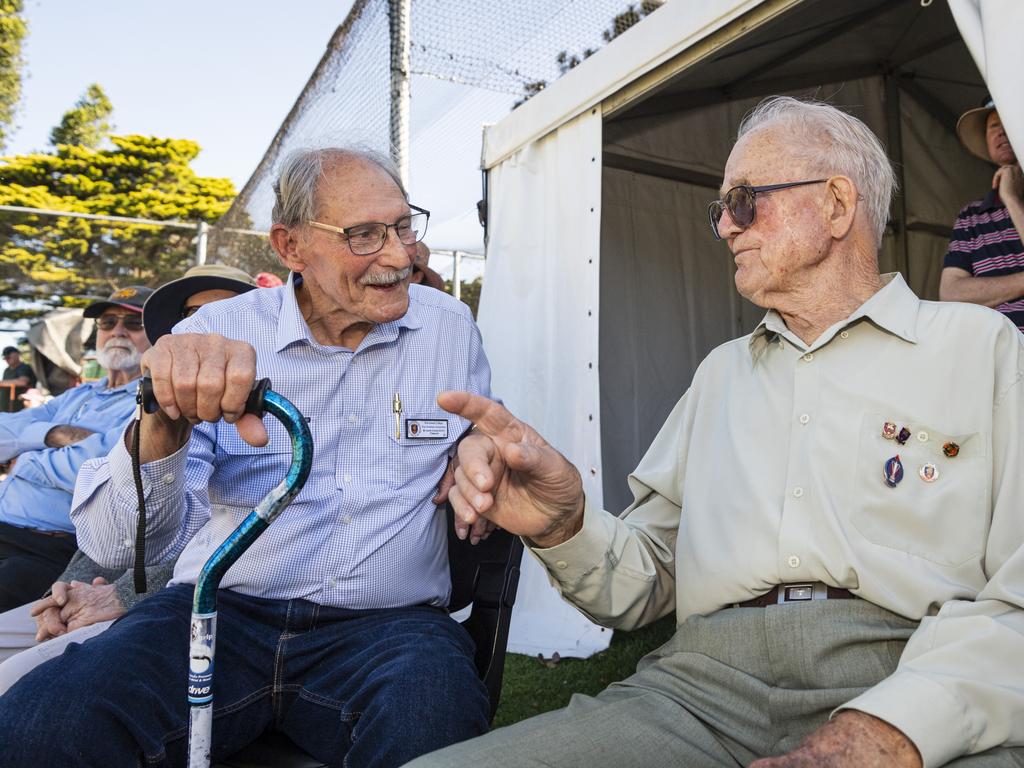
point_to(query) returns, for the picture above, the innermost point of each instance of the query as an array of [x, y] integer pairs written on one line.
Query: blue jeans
[[352, 688]]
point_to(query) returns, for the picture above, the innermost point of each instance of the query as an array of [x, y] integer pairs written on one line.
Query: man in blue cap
[[45, 446]]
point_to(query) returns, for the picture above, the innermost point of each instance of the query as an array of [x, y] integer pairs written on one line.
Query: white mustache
[[386, 278]]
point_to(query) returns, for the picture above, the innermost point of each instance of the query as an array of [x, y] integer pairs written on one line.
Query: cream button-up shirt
[[772, 469]]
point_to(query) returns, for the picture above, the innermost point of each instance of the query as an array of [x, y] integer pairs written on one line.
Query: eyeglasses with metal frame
[[131, 323], [369, 238], [741, 202]]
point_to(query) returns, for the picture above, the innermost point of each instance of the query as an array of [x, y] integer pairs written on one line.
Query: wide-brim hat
[[163, 309], [971, 129], [131, 297]]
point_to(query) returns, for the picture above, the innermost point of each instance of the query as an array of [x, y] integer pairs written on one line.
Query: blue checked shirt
[[37, 492], [363, 533]]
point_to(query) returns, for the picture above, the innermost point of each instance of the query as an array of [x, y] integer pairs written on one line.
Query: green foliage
[[139, 176], [12, 31], [566, 60], [532, 686], [469, 293], [87, 123]]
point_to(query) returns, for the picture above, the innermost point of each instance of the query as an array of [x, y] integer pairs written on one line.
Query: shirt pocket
[[244, 473], [944, 520], [417, 453]]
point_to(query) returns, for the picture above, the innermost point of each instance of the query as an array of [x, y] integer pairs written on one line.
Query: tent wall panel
[[539, 319]]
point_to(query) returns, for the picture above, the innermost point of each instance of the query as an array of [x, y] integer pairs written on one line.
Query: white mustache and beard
[[119, 355]]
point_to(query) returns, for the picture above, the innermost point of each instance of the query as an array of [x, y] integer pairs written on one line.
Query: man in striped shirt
[[985, 260], [333, 624]]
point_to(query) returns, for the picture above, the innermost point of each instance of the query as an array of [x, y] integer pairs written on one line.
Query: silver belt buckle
[[799, 593]]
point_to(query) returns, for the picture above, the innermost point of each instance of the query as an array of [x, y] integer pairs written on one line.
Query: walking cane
[[203, 632]]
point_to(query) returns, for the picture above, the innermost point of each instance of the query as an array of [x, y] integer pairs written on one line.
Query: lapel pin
[[893, 471]]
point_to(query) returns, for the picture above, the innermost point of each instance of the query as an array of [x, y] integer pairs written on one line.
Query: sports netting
[[470, 63]]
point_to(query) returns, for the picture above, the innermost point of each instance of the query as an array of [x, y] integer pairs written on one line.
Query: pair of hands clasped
[[71, 606]]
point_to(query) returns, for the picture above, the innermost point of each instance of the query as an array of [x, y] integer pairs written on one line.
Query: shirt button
[[347, 478], [346, 519], [168, 478], [127, 543], [844, 335], [804, 418], [808, 357], [352, 418], [333, 582], [794, 561], [798, 492], [922, 436], [561, 565]]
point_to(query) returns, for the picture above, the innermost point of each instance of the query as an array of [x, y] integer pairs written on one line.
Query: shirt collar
[[292, 327], [990, 201], [893, 308]]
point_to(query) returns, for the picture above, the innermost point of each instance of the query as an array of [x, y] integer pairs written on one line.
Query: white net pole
[[399, 16]]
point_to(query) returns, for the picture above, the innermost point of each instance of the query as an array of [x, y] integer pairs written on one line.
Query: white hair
[[831, 142], [296, 186]]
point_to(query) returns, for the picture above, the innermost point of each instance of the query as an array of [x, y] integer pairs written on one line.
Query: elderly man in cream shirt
[[833, 509]]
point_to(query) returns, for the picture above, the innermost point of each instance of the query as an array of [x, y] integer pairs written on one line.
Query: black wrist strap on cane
[[139, 567]]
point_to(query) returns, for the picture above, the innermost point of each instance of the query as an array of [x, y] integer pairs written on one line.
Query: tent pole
[[898, 211], [399, 16]]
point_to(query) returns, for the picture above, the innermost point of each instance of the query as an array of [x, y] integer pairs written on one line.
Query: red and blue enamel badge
[[893, 471]]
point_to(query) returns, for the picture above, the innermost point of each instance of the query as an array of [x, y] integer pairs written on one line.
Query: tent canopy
[[604, 286], [57, 340]]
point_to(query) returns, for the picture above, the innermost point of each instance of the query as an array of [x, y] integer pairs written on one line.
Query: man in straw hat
[[985, 260]]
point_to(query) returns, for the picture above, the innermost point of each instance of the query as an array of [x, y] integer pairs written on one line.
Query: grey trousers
[[725, 690]]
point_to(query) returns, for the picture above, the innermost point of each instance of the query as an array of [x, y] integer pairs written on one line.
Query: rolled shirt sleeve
[[105, 509]]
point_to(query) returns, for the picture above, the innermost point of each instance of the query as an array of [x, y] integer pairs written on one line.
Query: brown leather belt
[[55, 534], [802, 592]]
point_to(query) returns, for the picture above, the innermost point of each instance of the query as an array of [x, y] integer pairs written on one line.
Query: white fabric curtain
[[539, 320], [992, 31]]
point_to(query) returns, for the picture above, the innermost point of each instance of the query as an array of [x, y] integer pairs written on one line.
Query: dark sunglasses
[[109, 322], [741, 202], [189, 311]]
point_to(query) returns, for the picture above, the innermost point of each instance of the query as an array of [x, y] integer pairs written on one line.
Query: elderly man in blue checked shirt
[[333, 625], [45, 446]]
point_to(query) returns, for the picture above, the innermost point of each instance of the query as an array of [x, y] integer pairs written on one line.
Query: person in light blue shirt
[[45, 446], [333, 624]]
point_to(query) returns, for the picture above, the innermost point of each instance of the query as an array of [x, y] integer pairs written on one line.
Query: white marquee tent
[[604, 288]]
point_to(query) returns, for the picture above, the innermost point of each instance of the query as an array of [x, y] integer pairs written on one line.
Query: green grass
[[532, 686]]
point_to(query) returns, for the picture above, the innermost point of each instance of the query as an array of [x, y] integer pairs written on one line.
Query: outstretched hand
[[508, 474]]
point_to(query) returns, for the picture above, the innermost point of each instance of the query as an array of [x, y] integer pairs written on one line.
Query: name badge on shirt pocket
[[426, 429]]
